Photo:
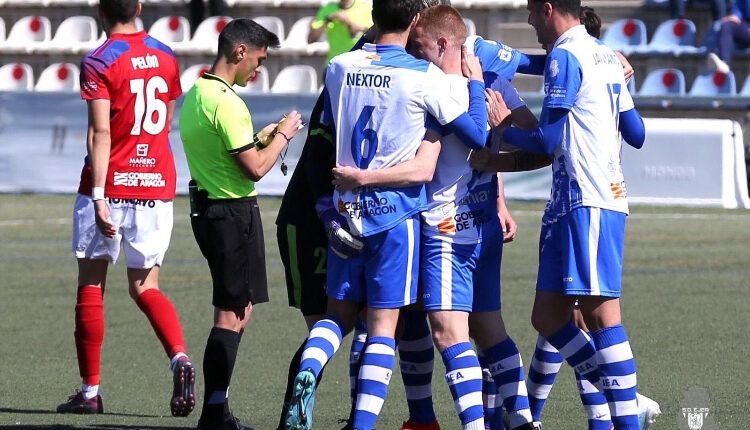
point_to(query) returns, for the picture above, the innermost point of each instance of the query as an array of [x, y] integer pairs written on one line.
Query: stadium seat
[[745, 91], [28, 33], [206, 36], [16, 77], [674, 36], [663, 82], [260, 83], [714, 84], [625, 35], [273, 24], [76, 34], [2, 30], [191, 74], [296, 79], [172, 30], [296, 40], [58, 77], [471, 28]]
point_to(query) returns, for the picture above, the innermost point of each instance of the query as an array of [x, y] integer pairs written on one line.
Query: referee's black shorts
[[230, 235], [304, 251]]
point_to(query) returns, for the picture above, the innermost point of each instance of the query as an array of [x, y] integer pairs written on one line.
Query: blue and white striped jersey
[[378, 99], [585, 77], [460, 199]]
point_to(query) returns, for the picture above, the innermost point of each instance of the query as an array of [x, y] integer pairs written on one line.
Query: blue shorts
[[446, 274], [487, 286], [385, 275], [462, 277], [581, 253]]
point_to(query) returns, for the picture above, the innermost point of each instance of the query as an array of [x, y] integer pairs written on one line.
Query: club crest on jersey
[[554, 68]]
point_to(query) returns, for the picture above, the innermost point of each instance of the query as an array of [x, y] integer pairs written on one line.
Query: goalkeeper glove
[[339, 239]]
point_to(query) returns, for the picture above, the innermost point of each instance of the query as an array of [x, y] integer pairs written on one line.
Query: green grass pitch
[[686, 307]]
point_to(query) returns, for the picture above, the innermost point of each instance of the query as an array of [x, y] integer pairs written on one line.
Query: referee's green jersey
[[215, 124]]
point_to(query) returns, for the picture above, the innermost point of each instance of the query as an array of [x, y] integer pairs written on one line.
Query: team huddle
[[394, 219]]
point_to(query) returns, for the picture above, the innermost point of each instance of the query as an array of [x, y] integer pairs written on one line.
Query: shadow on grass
[[49, 412], [83, 426]]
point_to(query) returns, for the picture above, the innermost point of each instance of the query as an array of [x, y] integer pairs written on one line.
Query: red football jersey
[[139, 76]]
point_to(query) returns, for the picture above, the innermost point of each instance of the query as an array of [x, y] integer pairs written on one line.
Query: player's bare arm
[[99, 145], [508, 224], [258, 161], [416, 171]]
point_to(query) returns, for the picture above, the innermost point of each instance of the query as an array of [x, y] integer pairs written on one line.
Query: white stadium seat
[[273, 24], [58, 77], [672, 36], [28, 33], [296, 40], [296, 79], [625, 35], [2, 30], [471, 28], [172, 30], [76, 34], [714, 84], [16, 77], [663, 82], [206, 36], [745, 91], [260, 83], [191, 74]]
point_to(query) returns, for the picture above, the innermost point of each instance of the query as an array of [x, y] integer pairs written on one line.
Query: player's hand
[[470, 65], [339, 239], [732, 18], [103, 218], [290, 124], [497, 111], [627, 68], [508, 224], [265, 135], [347, 177]]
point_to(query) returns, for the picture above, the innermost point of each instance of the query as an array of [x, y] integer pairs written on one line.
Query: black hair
[[118, 11], [570, 7], [394, 16], [247, 31], [591, 21]]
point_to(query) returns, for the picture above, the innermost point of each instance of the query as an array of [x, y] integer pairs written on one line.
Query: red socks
[[89, 332], [164, 319]]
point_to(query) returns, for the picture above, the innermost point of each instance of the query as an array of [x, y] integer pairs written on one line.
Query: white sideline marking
[[672, 216]]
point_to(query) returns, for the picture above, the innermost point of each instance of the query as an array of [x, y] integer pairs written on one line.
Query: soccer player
[[378, 97], [225, 161], [460, 262], [586, 109], [125, 198]]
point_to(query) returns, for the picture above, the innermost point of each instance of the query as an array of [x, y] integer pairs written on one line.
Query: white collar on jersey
[[576, 31]]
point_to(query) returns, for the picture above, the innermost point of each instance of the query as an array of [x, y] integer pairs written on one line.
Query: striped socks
[[374, 377], [322, 343], [464, 378]]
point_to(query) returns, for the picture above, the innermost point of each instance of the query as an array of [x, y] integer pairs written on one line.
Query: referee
[[225, 161]]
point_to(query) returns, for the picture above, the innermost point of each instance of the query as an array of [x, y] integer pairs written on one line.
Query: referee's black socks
[[218, 365]]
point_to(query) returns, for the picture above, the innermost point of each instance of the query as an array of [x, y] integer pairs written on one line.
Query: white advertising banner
[[683, 162]]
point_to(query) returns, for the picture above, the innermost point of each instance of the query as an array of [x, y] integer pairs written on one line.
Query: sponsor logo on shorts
[[135, 202], [568, 279], [139, 179]]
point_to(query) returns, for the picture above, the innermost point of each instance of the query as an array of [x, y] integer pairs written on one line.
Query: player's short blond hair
[[443, 21]]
